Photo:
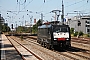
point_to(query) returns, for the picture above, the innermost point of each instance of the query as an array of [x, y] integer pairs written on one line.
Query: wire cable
[[28, 4], [79, 7], [75, 3], [24, 7]]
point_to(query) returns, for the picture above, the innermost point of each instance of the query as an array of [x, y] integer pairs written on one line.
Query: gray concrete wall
[[74, 24]]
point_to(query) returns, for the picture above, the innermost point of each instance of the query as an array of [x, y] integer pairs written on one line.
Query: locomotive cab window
[[61, 29]]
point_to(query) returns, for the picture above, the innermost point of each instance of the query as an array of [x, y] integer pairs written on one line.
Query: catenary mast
[[62, 16]]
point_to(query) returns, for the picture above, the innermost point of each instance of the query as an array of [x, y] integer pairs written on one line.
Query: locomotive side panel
[[44, 35]]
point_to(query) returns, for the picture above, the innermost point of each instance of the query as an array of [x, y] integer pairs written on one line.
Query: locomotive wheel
[[52, 47], [67, 46], [48, 46], [43, 44], [38, 41]]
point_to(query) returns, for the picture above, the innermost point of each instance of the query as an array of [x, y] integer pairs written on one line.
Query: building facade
[[85, 24]]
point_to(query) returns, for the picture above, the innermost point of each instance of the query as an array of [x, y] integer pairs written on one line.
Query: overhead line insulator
[[17, 0], [44, 1], [25, 0]]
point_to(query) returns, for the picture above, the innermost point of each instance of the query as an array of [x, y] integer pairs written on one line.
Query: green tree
[[72, 30], [39, 22], [81, 33], [35, 27], [5, 28], [76, 33], [19, 29]]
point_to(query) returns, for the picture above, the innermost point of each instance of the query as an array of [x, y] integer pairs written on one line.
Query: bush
[[72, 30], [21, 37], [80, 33], [88, 35], [76, 33]]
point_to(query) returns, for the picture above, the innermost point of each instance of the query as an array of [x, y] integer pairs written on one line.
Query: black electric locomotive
[[50, 35]]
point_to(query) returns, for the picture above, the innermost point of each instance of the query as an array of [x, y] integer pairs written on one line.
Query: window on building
[[87, 25], [88, 22], [88, 30]]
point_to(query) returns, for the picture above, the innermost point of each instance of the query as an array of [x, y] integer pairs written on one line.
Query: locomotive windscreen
[[60, 29]]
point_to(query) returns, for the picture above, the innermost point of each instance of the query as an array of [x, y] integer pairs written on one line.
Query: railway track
[[76, 52], [75, 42], [81, 40], [81, 43], [43, 52], [25, 53], [80, 52], [73, 53], [84, 39]]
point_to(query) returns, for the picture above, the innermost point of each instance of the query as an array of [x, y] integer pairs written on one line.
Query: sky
[[19, 13]]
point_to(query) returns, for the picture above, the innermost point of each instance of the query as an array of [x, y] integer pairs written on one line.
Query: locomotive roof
[[48, 26], [44, 26]]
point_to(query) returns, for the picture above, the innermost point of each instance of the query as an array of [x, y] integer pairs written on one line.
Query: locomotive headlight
[[67, 39], [55, 39], [54, 34]]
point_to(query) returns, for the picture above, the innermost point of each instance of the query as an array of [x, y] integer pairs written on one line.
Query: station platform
[[8, 52]]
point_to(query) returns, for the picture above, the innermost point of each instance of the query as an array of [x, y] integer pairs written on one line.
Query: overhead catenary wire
[[42, 5], [50, 0], [23, 8], [81, 6], [27, 4], [74, 3], [71, 4]]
